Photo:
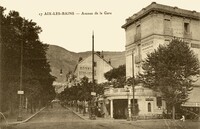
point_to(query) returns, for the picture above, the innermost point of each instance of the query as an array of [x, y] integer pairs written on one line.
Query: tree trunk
[[173, 112], [34, 106], [11, 112], [39, 104], [31, 106], [10, 107], [26, 103]]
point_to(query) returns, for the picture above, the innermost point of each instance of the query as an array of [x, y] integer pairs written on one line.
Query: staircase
[[193, 115]]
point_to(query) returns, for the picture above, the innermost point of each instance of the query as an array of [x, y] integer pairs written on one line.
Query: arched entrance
[[149, 107]]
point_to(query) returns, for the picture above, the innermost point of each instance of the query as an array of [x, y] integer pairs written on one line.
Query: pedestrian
[[183, 118]]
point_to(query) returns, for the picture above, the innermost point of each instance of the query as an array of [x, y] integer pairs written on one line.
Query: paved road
[[61, 118], [55, 114]]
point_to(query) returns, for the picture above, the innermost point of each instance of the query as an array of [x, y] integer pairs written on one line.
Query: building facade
[[84, 68], [148, 104], [146, 30]]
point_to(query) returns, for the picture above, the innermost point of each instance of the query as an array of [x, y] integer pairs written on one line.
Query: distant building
[[84, 68], [145, 31], [59, 86]]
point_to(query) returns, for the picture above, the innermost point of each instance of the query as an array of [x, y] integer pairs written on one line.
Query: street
[[61, 118]]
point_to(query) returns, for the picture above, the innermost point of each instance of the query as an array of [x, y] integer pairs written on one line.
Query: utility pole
[[133, 86], [93, 93], [93, 61], [21, 92], [0, 61]]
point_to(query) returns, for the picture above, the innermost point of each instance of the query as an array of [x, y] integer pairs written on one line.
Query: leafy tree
[[117, 76], [85, 90], [18, 33], [170, 70], [81, 91]]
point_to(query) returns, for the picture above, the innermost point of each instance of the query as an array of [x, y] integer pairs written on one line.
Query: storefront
[[118, 102]]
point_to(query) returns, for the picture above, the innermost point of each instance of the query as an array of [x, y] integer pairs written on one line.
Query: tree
[[170, 70], [85, 89], [18, 33], [117, 76], [81, 91]]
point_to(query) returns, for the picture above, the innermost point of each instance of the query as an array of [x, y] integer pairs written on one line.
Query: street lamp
[[127, 89], [20, 92], [93, 93], [0, 60], [133, 86]]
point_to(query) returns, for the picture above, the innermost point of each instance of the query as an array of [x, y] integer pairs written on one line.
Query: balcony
[[168, 31], [137, 37], [187, 35], [139, 91]]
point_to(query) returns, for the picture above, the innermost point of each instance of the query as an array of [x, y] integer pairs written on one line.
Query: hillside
[[61, 58]]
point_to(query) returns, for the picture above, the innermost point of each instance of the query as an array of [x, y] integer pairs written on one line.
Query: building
[[84, 68], [192, 106], [146, 30], [148, 104]]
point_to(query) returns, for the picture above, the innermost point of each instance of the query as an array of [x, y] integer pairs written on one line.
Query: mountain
[[60, 58]]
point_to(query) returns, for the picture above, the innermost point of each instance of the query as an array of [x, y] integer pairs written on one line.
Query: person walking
[[183, 118]]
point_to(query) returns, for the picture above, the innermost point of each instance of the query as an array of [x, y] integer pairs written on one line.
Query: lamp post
[[93, 93], [133, 86], [129, 103], [0, 60], [20, 92]]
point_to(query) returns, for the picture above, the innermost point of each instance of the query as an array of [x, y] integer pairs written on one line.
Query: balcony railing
[[137, 37], [139, 91]]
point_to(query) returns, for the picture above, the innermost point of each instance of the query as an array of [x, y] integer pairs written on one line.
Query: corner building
[[146, 30]]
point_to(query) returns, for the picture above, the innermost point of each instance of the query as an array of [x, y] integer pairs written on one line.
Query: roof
[[88, 57], [197, 83], [194, 98], [163, 9]]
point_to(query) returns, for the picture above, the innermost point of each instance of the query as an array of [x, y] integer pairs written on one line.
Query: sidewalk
[[25, 116], [86, 116]]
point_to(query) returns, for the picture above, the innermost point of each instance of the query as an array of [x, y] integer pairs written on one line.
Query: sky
[[73, 31]]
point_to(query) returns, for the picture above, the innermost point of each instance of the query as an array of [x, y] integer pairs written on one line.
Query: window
[[137, 36], [138, 29], [149, 107], [159, 101], [167, 27], [167, 24], [186, 27]]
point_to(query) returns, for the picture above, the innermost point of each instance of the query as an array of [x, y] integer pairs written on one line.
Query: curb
[[26, 120], [76, 113], [87, 118]]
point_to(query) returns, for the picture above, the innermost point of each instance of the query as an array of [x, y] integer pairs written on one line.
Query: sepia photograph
[[99, 64]]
